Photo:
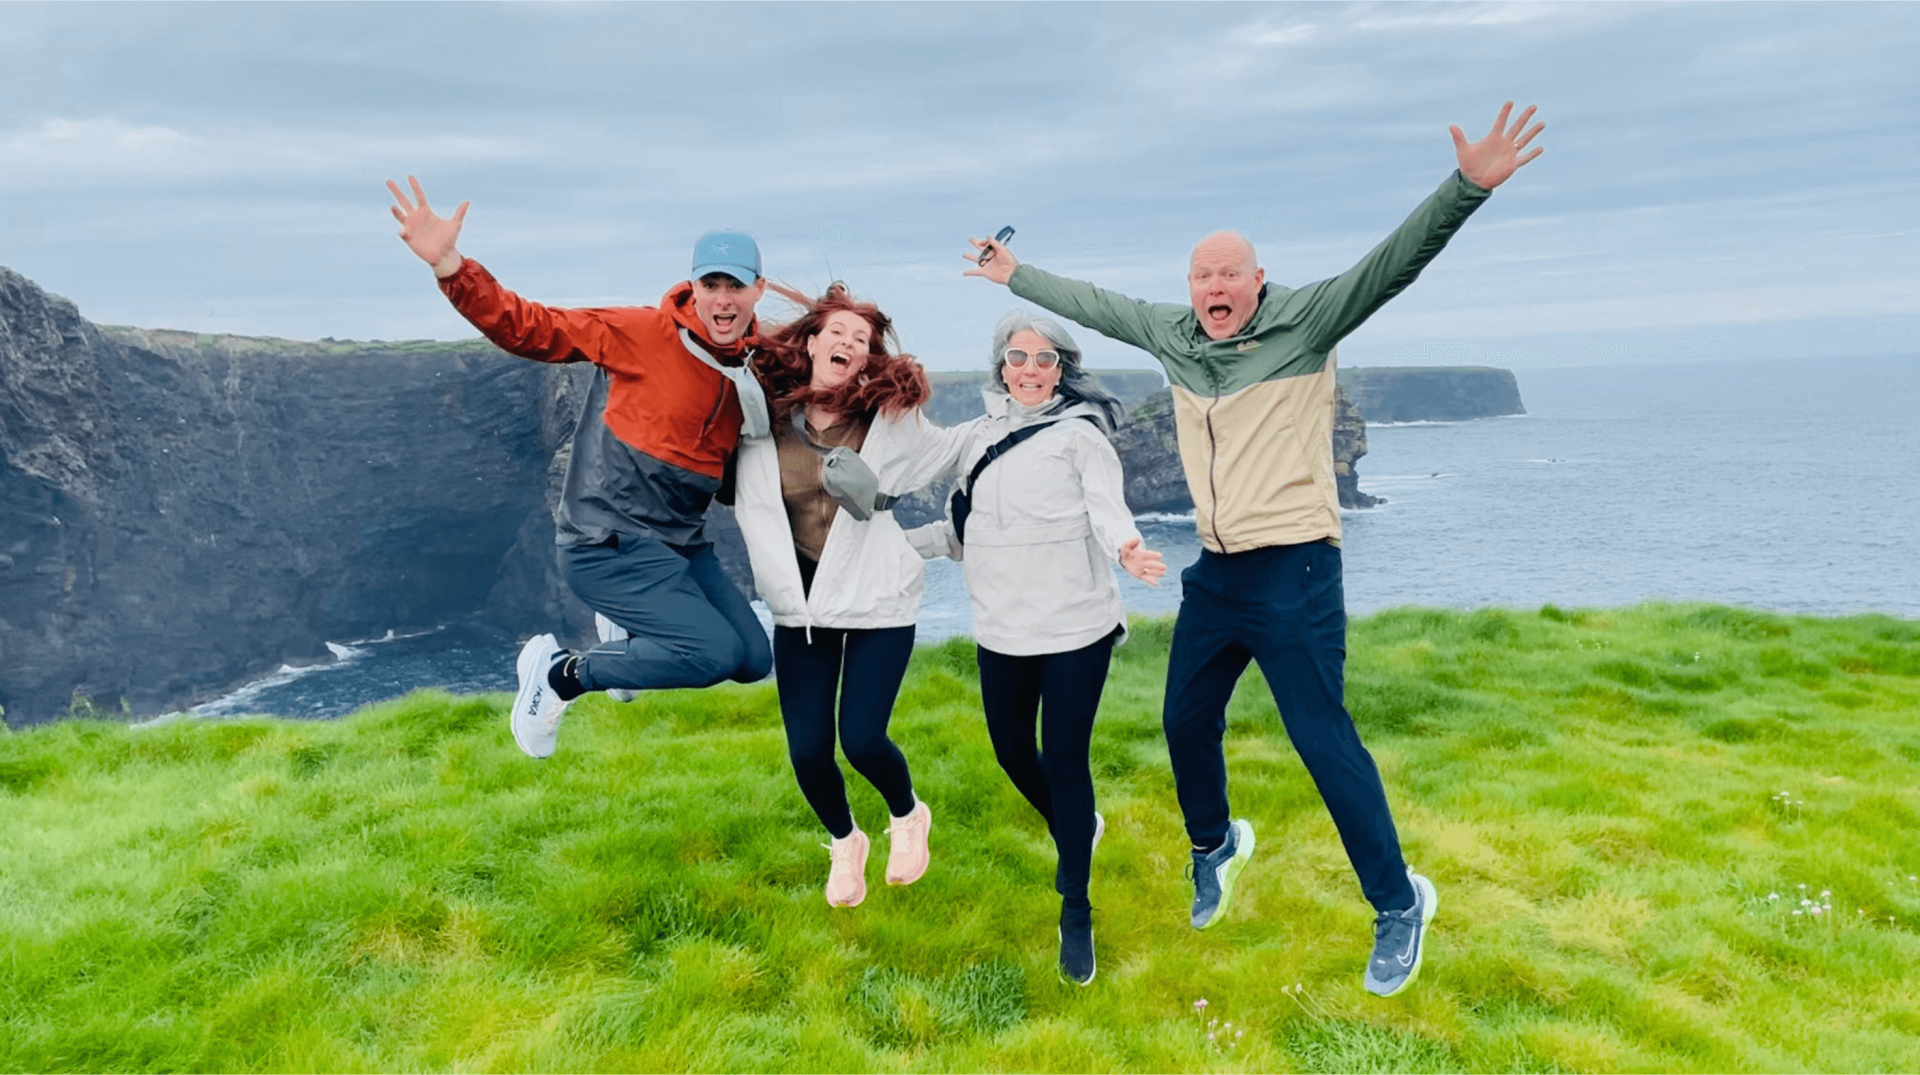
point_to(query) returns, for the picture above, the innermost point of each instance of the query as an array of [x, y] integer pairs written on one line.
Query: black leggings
[[1056, 778], [865, 668]]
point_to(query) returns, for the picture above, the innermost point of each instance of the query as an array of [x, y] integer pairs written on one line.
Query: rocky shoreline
[[184, 513]]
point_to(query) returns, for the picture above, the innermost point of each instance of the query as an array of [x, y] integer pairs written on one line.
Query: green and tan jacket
[[1254, 412]]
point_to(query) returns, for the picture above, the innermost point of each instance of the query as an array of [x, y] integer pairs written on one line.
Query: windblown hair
[[1076, 384], [890, 382]]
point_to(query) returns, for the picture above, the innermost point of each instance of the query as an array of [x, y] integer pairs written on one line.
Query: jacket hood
[[678, 303]]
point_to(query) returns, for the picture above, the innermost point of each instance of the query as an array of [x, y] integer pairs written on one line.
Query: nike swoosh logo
[[1406, 957]]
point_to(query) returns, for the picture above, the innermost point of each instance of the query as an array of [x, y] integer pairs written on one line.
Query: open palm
[[429, 236], [1493, 159]]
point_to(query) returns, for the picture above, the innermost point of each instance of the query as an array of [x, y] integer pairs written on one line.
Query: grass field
[[1609, 801]]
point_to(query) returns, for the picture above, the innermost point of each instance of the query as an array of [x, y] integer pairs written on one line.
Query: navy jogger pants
[[1283, 606], [691, 626]]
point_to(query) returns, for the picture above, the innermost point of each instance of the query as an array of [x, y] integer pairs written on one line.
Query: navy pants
[[691, 626], [864, 669], [1285, 607], [1063, 691]]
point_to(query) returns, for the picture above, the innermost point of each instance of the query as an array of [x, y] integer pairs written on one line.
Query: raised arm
[[516, 325], [1109, 313], [1329, 310]]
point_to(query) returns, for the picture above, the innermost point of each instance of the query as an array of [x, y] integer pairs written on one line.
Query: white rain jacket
[[869, 576], [1048, 519]]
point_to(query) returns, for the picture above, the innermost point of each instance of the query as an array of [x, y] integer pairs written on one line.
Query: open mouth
[[840, 358], [1219, 311], [724, 321]]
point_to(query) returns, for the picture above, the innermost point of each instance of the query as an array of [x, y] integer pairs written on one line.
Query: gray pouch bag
[[847, 478]]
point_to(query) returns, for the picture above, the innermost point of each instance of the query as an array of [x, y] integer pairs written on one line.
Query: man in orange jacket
[[664, 412]]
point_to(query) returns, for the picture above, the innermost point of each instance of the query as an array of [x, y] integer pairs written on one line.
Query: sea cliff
[[1431, 393], [182, 513]]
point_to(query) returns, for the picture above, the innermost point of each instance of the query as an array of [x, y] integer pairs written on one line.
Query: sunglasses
[[1045, 360]]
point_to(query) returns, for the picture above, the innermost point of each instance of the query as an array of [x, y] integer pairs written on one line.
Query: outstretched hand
[[429, 236], [992, 260], [1142, 563], [1492, 160]]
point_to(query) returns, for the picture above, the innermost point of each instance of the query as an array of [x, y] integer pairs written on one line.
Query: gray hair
[[1076, 384]]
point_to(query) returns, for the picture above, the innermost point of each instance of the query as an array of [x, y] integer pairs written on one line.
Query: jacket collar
[[678, 304]]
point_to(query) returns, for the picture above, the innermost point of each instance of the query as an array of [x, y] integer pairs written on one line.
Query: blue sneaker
[[1215, 872], [1400, 941]]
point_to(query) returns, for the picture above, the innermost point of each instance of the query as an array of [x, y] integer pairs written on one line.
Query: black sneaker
[[1076, 945], [1400, 941]]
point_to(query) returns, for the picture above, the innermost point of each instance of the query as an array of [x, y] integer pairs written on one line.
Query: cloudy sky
[[1721, 180]]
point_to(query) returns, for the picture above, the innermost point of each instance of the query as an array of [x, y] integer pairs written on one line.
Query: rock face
[[1431, 393], [181, 513]]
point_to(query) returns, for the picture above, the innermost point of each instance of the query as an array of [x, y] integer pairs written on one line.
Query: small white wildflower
[[1797, 912], [1817, 910], [1824, 893], [1773, 897]]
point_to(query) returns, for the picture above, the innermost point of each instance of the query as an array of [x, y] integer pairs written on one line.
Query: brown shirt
[[810, 510]]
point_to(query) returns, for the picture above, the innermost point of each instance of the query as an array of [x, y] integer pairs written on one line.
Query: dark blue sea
[[1791, 486]]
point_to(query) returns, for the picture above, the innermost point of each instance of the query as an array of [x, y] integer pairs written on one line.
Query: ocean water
[[1777, 485]]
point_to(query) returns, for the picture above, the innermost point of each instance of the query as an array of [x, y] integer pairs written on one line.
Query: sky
[[1720, 180]]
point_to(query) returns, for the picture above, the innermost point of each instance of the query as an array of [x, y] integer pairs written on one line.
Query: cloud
[[106, 152]]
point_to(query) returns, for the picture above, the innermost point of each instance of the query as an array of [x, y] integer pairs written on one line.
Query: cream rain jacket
[[869, 576], [1049, 517]]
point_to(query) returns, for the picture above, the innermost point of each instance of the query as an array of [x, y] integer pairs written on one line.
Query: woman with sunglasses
[[1045, 518], [834, 568]]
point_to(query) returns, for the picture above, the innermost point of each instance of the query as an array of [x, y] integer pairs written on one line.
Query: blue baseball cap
[[731, 252]]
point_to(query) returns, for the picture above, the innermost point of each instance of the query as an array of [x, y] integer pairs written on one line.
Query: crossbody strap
[[1007, 443]]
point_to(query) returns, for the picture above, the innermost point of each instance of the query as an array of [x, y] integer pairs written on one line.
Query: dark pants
[[1283, 606], [691, 626], [1063, 690], [864, 668]]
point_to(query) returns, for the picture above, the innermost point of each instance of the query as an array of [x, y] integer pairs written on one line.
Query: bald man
[[1252, 371]]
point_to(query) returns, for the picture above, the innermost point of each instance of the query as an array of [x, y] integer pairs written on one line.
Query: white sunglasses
[[1045, 360]]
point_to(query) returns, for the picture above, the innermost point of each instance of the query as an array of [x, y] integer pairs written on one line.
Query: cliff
[[1431, 393], [182, 513]]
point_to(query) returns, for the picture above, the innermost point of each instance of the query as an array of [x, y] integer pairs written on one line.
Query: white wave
[[1164, 517], [238, 701], [343, 654], [1442, 421]]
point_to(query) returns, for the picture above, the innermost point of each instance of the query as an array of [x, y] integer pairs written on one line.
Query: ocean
[[1781, 485]]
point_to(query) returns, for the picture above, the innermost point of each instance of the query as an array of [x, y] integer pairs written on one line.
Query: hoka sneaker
[[847, 877], [907, 859], [613, 632], [1076, 945], [1215, 872], [1400, 941], [536, 710], [1099, 830]]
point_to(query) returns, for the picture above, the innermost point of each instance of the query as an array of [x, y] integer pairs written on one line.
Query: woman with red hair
[[834, 568]]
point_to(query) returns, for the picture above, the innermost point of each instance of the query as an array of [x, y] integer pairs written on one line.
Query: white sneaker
[[536, 710], [613, 632], [847, 877], [1099, 830], [907, 859]]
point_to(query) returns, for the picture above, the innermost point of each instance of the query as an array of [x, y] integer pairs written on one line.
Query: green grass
[[1597, 795]]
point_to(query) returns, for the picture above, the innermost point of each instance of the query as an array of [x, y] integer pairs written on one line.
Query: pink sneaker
[[909, 856], [847, 877]]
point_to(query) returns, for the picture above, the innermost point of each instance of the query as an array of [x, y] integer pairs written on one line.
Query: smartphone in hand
[[1000, 237]]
